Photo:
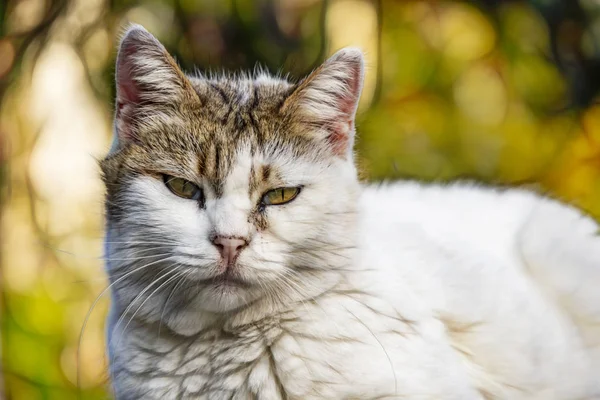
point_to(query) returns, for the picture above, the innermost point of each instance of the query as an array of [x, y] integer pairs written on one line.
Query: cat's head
[[221, 191]]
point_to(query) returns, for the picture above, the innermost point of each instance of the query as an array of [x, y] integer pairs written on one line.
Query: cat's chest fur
[[343, 345], [420, 315]]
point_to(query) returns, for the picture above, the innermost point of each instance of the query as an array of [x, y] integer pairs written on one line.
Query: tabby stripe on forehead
[[258, 176], [201, 161], [254, 124], [221, 92], [240, 122], [255, 99], [266, 172], [226, 101], [217, 172]]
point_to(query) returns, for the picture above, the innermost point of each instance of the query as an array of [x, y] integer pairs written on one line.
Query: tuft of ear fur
[[328, 98], [146, 75]]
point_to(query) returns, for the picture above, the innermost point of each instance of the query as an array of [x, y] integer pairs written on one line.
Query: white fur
[[401, 291], [453, 292]]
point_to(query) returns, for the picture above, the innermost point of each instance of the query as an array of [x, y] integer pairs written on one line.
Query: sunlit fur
[[399, 291]]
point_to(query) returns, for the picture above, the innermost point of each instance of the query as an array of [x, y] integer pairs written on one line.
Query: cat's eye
[[280, 196], [183, 188]]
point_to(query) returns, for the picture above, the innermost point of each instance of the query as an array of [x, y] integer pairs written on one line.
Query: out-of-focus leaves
[[499, 91]]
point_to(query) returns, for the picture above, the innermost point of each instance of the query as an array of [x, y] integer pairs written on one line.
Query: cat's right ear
[[328, 98], [146, 76]]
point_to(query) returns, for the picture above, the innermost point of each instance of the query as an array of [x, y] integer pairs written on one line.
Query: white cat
[[248, 262]]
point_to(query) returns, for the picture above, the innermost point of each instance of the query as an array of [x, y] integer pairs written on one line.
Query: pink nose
[[229, 247]]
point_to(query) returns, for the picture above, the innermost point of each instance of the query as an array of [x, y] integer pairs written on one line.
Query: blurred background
[[498, 91]]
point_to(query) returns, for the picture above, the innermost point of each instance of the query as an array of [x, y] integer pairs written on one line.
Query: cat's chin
[[221, 296]]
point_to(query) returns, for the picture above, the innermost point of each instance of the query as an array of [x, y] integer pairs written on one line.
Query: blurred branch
[[25, 39], [567, 23]]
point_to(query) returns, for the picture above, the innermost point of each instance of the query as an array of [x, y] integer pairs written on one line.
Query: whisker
[[382, 348], [181, 280], [177, 275], [93, 306], [141, 294], [106, 275], [121, 318], [88, 257]]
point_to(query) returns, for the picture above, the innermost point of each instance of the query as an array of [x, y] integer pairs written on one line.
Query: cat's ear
[[146, 76], [328, 98]]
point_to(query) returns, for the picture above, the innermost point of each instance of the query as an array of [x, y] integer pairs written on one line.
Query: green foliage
[[453, 90]]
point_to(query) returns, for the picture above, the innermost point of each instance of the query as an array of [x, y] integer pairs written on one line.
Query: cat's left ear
[[148, 81], [328, 98]]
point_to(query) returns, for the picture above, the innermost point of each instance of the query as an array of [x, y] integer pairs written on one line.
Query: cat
[[247, 261]]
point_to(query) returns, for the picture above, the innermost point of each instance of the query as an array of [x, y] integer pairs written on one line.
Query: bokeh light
[[486, 90]]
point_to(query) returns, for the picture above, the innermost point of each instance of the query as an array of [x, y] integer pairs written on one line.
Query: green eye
[[279, 196], [183, 188]]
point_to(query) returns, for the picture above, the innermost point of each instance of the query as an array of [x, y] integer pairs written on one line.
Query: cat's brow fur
[[217, 121], [217, 113], [400, 291]]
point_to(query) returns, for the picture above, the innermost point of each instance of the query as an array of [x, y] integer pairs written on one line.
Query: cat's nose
[[229, 247]]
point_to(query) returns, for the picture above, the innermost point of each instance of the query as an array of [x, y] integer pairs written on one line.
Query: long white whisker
[[93, 306], [183, 277], [141, 294], [382, 348], [154, 245], [121, 318], [177, 275]]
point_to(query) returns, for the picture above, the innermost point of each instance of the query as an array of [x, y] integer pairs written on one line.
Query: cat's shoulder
[[461, 210], [464, 192], [461, 198]]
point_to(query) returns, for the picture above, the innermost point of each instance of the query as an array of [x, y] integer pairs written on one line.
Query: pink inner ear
[[349, 99], [127, 90], [128, 93], [340, 137]]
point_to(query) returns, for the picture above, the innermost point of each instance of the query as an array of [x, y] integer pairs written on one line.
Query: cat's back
[[485, 217], [480, 259]]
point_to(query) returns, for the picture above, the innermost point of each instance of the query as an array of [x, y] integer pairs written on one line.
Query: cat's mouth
[[226, 279]]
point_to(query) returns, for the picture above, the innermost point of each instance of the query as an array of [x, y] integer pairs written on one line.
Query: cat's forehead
[[240, 128], [238, 135], [224, 95], [236, 129], [231, 111], [245, 163]]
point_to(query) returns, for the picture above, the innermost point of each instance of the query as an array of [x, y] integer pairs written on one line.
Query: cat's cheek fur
[[181, 221]]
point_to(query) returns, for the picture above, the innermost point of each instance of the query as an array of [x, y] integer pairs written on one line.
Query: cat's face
[[224, 191]]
